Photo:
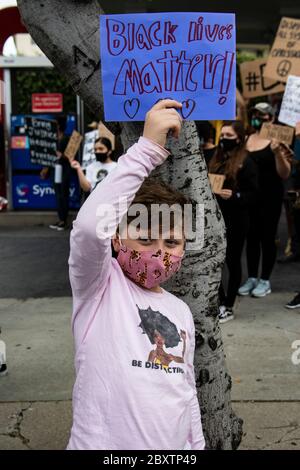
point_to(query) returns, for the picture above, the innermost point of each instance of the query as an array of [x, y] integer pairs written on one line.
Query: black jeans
[[237, 226], [261, 240], [296, 232], [62, 200], [62, 192]]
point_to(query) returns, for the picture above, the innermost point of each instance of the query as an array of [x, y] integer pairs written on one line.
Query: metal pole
[[80, 119], [7, 133]]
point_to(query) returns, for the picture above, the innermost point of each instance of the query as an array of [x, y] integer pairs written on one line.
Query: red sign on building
[[47, 102]]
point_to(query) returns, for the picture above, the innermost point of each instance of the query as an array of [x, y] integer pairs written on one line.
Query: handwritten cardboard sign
[[42, 135], [290, 106], [284, 134], [253, 81], [189, 57], [284, 58], [216, 182], [73, 145]]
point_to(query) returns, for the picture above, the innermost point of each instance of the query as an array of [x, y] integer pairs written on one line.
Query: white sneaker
[[247, 288], [226, 315], [262, 289], [3, 366], [222, 309]]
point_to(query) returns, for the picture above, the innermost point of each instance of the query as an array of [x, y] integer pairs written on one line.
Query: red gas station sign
[[47, 102]]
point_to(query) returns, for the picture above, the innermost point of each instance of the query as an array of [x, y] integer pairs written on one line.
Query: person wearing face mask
[[98, 170], [273, 163], [235, 199], [134, 341]]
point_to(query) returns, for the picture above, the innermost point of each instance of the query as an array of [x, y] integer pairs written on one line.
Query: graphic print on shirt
[[101, 174], [163, 334]]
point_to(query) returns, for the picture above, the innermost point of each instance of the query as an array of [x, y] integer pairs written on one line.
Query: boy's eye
[[144, 240], [172, 242]]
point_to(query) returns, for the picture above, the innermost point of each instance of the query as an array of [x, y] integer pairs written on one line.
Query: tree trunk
[[68, 33]]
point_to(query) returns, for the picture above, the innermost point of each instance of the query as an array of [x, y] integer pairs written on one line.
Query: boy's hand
[[161, 119], [75, 165]]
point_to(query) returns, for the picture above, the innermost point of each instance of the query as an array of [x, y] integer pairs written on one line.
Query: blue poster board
[[20, 158], [189, 57]]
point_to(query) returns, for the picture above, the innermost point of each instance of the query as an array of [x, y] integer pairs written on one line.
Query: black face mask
[[101, 157], [257, 123], [228, 144]]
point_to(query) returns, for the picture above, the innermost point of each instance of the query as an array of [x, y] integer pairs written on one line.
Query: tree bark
[[68, 33]]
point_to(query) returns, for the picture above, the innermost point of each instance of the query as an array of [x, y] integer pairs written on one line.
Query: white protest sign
[[290, 107], [89, 156]]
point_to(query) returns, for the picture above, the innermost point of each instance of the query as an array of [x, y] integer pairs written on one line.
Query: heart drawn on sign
[[131, 107], [188, 107]]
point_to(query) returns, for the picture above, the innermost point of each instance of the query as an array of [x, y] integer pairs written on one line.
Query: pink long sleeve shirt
[[121, 399]]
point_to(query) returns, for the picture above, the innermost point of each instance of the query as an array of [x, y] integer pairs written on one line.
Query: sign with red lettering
[[47, 102], [190, 57]]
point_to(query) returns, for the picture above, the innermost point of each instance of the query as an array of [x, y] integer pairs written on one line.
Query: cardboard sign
[[284, 134], [216, 182], [290, 106], [42, 134], [104, 132], [253, 81], [284, 58], [189, 57], [73, 145], [47, 102]]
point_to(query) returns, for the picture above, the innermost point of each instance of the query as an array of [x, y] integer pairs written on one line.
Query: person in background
[[295, 302], [206, 135], [293, 194], [98, 170], [273, 163], [61, 185], [235, 199]]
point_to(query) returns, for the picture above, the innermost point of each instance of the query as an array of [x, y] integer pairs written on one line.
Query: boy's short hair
[[156, 192]]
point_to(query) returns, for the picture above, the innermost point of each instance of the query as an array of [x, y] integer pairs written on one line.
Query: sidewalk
[[35, 397]]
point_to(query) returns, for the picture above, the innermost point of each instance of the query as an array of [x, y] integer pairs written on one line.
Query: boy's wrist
[[154, 143]]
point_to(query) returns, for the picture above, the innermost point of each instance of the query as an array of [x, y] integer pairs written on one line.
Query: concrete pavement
[[35, 397]]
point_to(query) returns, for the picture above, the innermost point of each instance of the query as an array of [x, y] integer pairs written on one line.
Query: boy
[[135, 386]]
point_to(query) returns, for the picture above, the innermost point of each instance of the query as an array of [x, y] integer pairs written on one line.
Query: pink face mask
[[148, 268]]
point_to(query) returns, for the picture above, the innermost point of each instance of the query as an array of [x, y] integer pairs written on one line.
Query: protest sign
[[104, 132], [216, 182], [42, 134], [284, 134], [284, 58], [73, 145], [89, 156], [253, 81], [189, 57], [290, 106]]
